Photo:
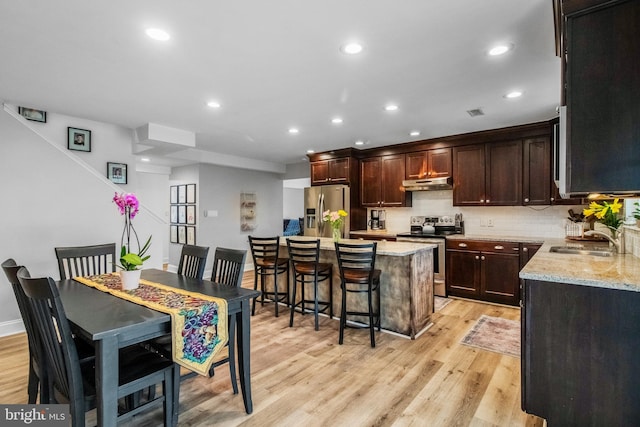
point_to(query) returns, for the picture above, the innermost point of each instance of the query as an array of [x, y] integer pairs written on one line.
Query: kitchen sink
[[597, 251]]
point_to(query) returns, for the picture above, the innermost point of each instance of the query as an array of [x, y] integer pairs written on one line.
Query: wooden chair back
[[228, 266], [74, 261], [193, 260]]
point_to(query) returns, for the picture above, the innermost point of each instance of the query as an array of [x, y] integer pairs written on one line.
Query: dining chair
[[307, 269], [358, 275], [74, 261], [266, 262], [193, 260], [73, 383]]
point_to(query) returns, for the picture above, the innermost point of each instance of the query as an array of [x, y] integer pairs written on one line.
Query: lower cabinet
[[580, 347], [484, 270]]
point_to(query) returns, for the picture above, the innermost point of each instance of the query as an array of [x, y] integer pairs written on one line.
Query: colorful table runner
[[198, 322]]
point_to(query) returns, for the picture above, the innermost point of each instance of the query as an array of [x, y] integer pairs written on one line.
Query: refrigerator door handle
[[320, 214]]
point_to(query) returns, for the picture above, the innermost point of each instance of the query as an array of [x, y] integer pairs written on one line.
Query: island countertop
[[384, 247], [620, 271]]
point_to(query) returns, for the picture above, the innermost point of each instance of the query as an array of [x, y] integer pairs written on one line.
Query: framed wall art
[[117, 172], [173, 233], [182, 194], [191, 235], [191, 214], [182, 214], [182, 234], [173, 214], [33, 115], [78, 139], [173, 194], [191, 193]]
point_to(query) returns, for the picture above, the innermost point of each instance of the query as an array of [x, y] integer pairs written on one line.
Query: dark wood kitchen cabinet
[[527, 251], [488, 174], [580, 347], [335, 171], [381, 182], [429, 164], [536, 176], [602, 88], [484, 270]]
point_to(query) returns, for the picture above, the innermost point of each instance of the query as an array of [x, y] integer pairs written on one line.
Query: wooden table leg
[[107, 381], [243, 324]]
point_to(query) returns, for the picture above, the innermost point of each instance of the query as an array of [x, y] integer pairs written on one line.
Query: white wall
[[218, 188], [51, 200], [292, 202]]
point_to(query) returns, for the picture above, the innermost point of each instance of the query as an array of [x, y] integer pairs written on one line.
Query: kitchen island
[[581, 337], [406, 283]]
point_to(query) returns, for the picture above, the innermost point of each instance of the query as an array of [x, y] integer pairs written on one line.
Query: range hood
[[431, 184]]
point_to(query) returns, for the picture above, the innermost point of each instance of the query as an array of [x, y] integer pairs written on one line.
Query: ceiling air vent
[[476, 112]]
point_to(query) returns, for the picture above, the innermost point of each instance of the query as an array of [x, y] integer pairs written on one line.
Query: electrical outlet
[[490, 222], [483, 222]]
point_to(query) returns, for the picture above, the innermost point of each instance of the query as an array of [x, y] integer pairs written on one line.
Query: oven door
[[439, 287]]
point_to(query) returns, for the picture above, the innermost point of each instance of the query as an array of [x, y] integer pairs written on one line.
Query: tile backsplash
[[525, 221]]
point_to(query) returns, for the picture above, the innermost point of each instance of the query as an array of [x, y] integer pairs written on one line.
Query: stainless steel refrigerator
[[320, 199]]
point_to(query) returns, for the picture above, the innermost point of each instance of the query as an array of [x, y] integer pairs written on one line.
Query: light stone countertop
[[620, 271], [539, 240], [374, 233], [384, 247]]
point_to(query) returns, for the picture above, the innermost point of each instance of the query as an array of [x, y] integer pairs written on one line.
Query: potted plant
[[130, 260]]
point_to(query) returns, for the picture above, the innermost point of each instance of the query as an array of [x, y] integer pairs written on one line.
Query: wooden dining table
[[113, 323]]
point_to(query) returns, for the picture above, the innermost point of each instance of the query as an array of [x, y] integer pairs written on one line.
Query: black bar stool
[[307, 268], [359, 275], [266, 262]]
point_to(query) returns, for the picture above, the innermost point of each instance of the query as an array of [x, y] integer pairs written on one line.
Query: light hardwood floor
[[301, 377]]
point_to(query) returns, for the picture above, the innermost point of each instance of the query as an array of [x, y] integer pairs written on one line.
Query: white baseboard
[[11, 327]]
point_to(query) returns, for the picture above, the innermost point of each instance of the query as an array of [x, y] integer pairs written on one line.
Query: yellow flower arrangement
[[605, 213]]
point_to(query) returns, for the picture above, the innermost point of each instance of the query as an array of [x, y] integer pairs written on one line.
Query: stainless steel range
[[434, 229]]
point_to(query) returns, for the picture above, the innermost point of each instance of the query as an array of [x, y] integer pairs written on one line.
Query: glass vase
[[336, 234]]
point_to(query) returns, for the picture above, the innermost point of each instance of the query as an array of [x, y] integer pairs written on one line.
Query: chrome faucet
[[618, 243]]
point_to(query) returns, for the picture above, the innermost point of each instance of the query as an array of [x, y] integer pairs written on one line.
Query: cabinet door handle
[[526, 199], [481, 200], [462, 245], [553, 198], [525, 249], [488, 201], [482, 257], [477, 257], [498, 247]]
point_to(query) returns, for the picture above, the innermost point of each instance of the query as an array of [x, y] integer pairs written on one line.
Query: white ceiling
[[276, 64]]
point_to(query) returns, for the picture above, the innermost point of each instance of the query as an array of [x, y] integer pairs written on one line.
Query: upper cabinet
[[428, 164], [488, 174], [334, 171], [602, 86], [536, 176], [381, 182]]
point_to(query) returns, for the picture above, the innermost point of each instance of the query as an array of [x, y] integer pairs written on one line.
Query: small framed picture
[[173, 233], [182, 214], [191, 193], [173, 194], [33, 115], [78, 139], [191, 235], [191, 214], [117, 172], [182, 194], [173, 214], [182, 234]]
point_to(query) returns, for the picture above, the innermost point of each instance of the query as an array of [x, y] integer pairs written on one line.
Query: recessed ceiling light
[[293, 130], [391, 107], [352, 48], [359, 142], [514, 94], [336, 120], [414, 133], [145, 159], [213, 104], [310, 151], [158, 34], [500, 49]]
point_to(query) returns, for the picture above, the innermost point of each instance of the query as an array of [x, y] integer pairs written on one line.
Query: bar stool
[[307, 268], [359, 275], [264, 251]]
